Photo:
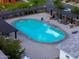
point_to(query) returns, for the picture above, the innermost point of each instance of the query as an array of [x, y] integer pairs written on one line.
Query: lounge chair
[[74, 32]]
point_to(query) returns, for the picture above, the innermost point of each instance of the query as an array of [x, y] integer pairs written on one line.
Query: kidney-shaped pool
[[39, 31]]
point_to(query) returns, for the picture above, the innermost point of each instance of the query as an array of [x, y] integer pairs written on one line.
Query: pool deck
[[36, 50]]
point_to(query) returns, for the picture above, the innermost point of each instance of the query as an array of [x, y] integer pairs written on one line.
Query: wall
[[64, 55]]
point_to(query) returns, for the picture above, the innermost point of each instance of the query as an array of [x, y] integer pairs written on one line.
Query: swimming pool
[[39, 31]]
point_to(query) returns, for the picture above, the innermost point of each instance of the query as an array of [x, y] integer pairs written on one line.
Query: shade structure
[[6, 28]]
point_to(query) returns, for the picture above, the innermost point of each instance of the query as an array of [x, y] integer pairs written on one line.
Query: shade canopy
[[6, 28]]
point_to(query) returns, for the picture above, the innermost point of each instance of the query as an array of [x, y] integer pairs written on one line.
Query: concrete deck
[[36, 50]]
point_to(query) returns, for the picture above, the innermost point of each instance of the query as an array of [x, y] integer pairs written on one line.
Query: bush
[[75, 10], [58, 4], [2, 42], [1, 6], [37, 2], [9, 6], [10, 47], [57, 1], [22, 4]]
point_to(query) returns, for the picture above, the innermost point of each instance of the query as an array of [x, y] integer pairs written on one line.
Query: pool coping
[[47, 22]]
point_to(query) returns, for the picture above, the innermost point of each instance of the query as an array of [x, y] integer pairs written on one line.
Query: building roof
[[71, 46], [5, 27]]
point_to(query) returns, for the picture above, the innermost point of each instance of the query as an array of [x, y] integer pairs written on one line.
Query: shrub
[[37, 2], [58, 4], [75, 10], [22, 4], [9, 6], [1, 6], [10, 47], [2, 42]]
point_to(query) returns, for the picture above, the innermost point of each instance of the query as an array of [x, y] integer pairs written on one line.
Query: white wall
[[64, 54]]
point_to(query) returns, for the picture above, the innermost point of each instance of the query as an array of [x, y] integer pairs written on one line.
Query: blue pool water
[[39, 31]]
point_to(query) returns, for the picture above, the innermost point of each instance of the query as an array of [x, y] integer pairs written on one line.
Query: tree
[[75, 10], [58, 4], [10, 47]]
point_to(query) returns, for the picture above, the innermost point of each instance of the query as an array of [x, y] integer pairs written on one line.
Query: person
[[42, 18]]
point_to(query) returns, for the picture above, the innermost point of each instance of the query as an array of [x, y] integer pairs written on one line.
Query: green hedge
[[11, 6], [1, 6], [38, 2], [23, 4]]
